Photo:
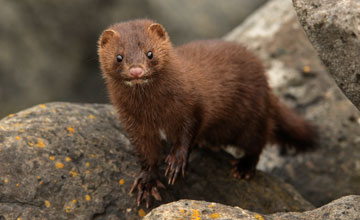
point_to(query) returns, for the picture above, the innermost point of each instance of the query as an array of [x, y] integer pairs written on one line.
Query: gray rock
[[73, 161], [346, 208], [297, 74], [48, 49], [333, 27]]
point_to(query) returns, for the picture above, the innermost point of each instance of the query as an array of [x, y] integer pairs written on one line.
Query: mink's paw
[[147, 184], [176, 160], [243, 170]]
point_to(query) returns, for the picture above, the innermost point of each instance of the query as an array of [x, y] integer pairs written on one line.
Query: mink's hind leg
[[245, 166], [147, 184]]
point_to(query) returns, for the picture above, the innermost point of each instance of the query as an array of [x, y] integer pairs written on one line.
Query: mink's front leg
[[149, 150], [176, 160], [179, 153], [147, 184]]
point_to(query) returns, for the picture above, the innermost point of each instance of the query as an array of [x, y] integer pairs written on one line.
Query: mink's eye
[[119, 58], [149, 55]]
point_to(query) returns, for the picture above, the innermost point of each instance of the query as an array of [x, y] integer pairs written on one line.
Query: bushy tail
[[291, 131]]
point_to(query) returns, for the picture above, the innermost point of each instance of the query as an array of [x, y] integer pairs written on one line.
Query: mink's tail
[[290, 130]]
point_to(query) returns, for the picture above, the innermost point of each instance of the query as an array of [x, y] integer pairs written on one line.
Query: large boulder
[[48, 48], [346, 208], [297, 74], [333, 28], [73, 161]]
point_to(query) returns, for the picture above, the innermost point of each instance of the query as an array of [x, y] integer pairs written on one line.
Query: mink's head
[[134, 52]]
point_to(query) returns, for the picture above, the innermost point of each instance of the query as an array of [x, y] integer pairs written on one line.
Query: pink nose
[[136, 72]]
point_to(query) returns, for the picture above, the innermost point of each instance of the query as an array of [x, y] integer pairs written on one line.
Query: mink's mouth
[[137, 81]]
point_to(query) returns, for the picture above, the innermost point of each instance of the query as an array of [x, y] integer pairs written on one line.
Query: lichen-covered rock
[[73, 161], [300, 78], [333, 27], [346, 208]]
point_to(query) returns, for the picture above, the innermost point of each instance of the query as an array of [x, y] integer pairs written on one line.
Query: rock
[[300, 78], [73, 161], [346, 208], [333, 28], [55, 58]]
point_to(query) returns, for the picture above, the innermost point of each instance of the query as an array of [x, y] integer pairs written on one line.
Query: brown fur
[[211, 92]]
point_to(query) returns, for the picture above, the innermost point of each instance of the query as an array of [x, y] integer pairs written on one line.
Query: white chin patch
[[136, 82]]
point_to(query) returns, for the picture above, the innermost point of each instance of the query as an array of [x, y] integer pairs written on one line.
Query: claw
[[175, 175], [147, 199], [136, 182], [167, 170], [183, 169], [156, 194], [160, 184]]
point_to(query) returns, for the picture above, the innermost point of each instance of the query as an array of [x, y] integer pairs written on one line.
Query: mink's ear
[[158, 30], [106, 36]]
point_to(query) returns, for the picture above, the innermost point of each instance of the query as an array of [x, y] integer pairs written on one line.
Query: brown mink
[[210, 93]]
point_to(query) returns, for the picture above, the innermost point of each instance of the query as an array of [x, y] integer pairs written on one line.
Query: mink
[[208, 93]]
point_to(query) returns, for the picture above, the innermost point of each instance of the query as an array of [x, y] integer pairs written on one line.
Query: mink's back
[[231, 86]]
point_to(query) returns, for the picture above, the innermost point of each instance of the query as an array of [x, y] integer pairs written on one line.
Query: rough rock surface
[[300, 78], [333, 27], [346, 208], [73, 161], [48, 48]]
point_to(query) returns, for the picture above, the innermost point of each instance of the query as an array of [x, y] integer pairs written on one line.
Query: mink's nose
[[136, 72]]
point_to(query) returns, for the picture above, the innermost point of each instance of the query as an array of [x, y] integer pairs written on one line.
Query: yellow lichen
[[67, 159], [307, 69], [195, 215], [51, 158], [54, 110], [215, 215], [47, 203], [18, 219], [59, 165], [87, 164], [74, 201], [211, 206], [17, 124], [18, 137], [42, 106], [22, 130], [141, 212], [259, 217], [38, 177], [87, 172], [17, 185], [11, 115], [71, 129], [182, 210], [6, 180], [73, 173], [91, 116], [121, 182], [67, 209], [195, 204], [40, 143], [92, 155], [87, 197], [41, 182]]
